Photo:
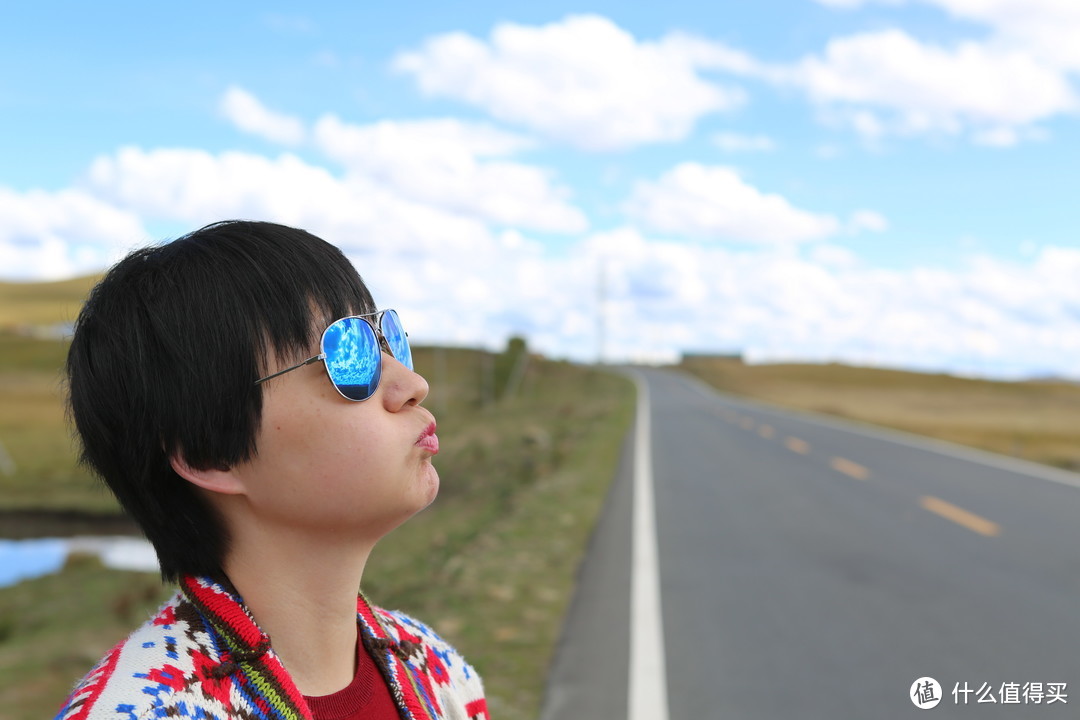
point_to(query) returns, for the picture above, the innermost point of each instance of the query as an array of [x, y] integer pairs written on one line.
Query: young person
[[258, 417]]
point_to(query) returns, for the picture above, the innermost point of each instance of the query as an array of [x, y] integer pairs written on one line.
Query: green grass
[[528, 449], [522, 483], [54, 628]]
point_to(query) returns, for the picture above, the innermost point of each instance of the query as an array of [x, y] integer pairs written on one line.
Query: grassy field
[[42, 304], [529, 447], [42, 472], [37, 460], [54, 628], [1038, 421], [523, 475]]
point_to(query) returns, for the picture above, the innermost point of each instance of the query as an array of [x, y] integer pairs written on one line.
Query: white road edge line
[[648, 671]]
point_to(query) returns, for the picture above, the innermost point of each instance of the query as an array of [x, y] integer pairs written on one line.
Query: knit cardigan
[[202, 656]]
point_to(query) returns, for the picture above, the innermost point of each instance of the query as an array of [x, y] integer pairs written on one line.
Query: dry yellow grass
[[42, 304], [1035, 420]]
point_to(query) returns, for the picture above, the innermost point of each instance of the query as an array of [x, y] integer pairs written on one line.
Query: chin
[[430, 485]]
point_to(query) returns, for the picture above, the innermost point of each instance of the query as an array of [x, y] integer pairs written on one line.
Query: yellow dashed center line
[[794, 444], [960, 516], [765, 431], [852, 469]]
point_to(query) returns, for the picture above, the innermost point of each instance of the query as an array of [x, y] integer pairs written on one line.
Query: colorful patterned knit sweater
[[203, 657]]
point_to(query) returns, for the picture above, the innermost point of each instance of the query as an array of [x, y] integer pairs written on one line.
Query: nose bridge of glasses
[[375, 322], [383, 344]]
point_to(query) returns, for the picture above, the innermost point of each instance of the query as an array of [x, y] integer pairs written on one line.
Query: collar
[[245, 646]]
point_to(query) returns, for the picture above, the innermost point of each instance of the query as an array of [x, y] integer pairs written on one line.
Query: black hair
[[165, 356]]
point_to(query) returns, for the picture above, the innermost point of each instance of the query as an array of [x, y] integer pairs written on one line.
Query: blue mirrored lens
[[353, 357], [396, 338]]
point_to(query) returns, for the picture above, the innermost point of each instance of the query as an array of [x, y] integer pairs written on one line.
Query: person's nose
[[403, 387]]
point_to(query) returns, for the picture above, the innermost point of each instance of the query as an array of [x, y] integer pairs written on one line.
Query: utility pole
[[601, 308]]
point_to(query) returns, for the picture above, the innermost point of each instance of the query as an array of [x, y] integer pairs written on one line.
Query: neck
[[303, 595]]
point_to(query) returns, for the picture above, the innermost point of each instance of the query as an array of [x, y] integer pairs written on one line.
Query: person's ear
[[219, 480]]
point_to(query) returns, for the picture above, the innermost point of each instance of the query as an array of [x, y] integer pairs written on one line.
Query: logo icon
[[925, 693]]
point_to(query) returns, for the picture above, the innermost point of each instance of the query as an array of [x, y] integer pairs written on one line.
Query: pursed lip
[[428, 440]]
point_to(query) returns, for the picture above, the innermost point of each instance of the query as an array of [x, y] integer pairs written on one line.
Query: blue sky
[[886, 182]]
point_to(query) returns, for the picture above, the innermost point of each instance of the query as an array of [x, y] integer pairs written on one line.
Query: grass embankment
[[1034, 420], [491, 564]]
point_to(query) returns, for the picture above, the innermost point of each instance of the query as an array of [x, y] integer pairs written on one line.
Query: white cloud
[[439, 162], [834, 256], [451, 276], [438, 137], [197, 187], [988, 317], [995, 87], [53, 235], [997, 137], [887, 81], [710, 54], [584, 80], [670, 275], [588, 82], [444, 163], [715, 203], [1047, 29], [867, 220], [457, 282], [246, 112], [1044, 29], [735, 142]]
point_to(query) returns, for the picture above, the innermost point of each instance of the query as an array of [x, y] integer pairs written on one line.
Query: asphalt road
[[811, 568]]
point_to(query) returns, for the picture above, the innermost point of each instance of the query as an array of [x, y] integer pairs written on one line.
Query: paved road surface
[[814, 569]]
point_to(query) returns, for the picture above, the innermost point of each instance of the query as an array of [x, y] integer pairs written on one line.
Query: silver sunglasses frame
[[376, 326]]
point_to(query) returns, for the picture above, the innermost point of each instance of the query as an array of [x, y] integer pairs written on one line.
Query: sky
[[879, 182]]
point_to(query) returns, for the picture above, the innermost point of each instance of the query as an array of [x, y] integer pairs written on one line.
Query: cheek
[[345, 458]]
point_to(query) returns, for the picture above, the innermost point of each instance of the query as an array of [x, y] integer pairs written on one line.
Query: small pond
[[24, 559]]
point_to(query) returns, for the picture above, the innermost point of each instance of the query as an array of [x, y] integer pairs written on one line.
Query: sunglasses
[[352, 349]]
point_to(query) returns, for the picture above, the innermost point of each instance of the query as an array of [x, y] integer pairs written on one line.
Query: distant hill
[[25, 305]]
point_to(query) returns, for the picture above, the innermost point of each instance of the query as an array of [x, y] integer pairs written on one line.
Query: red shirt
[[366, 698]]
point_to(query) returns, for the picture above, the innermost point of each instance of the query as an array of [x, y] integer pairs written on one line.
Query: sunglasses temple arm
[[310, 360]]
